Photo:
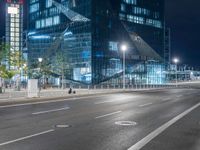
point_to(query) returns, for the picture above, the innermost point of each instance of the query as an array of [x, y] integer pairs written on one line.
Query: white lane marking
[[48, 111], [166, 99], [26, 137], [117, 100], [179, 96], [162, 128], [147, 104], [117, 112], [105, 102], [45, 102]]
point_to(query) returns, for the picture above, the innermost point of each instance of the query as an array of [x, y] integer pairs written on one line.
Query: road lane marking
[[48, 111], [117, 112], [178, 96], [117, 100], [147, 104], [105, 102], [140, 144], [166, 99], [26, 137]]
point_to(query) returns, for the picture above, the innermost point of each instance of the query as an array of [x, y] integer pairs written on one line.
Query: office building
[[82, 39], [14, 29]]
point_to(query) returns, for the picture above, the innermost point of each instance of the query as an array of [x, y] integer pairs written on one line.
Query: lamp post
[[176, 60], [124, 49], [40, 61]]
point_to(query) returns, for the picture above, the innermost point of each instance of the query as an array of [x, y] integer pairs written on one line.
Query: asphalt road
[[166, 119]]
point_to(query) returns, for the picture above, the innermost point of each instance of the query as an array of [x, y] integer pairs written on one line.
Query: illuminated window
[[42, 23], [113, 46], [123, 7], [56, 20], [48, 3], [122, 16], [17, 29], [135, 19], [49, 22], [34, 7], [131, 1], [37, 24]]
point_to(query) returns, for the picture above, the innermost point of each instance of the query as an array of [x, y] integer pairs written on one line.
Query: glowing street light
[[40, 59], [176, 61], [124, 49]]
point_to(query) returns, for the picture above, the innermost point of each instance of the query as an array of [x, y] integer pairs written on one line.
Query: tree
[[4, 50], [12, 58], [60, 65]]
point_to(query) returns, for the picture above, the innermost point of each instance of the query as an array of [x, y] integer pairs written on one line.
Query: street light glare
[[40, 59], [176, 60], [124, 47]]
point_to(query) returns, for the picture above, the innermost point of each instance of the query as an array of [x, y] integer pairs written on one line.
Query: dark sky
[[183, 17]]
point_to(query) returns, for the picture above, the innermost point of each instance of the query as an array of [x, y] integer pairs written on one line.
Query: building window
[[34, 7], [56, 20], [113, 46], [122, 16], [135, 19], [49, 21], [37, 24], [131, 1], [48, 3], [123, 7]]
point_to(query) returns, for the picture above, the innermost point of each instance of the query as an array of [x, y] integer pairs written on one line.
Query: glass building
[[14, 27], [81, 39]]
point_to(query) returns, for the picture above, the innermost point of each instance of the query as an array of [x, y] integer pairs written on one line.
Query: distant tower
[[14, 26], [167, 46]]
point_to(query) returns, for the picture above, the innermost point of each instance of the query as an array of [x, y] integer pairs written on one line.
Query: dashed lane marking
[[117, 112], [48, 111], [26, 137]]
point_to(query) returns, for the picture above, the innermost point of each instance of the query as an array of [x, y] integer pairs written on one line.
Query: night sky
[[183, 17]]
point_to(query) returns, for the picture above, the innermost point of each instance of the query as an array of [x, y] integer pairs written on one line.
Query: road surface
[[167, 119]]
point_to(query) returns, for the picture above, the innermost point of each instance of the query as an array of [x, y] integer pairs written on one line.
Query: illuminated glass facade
[[88, 34], [14, 26]]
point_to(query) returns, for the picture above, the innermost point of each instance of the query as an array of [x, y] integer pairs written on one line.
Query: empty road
[[167, 119]]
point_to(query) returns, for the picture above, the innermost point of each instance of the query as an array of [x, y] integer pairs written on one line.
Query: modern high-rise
[[82, 38], [14, 27]]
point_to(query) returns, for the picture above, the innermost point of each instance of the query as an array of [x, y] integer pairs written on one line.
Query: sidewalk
[[13, 97]]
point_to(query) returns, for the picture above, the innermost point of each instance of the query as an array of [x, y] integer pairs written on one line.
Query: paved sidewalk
[[10, 96]]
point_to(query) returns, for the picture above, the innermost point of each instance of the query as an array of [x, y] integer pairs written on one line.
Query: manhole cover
[[62, 126], [126, 123]]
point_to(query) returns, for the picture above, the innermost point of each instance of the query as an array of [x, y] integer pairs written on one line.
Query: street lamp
[[124, 49], [176, 61], [40, 61]]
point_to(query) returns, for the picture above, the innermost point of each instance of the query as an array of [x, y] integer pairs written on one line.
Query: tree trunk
[[1, 85]]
